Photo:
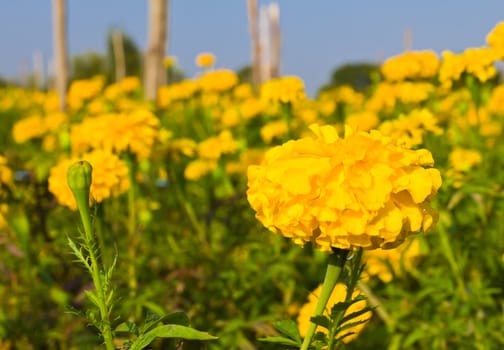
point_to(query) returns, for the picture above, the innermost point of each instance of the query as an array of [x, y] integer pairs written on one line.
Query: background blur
[[317, 36]]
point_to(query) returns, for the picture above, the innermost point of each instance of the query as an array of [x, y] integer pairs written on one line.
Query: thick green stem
[[335, 265]]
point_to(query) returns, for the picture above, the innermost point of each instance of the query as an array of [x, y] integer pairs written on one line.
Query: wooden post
[[118, 48], [255, 43], [156, 47], [264, 38], [60, 50], [275, 41]]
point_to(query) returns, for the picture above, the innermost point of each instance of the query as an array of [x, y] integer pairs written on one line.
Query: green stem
[[85, 214], [335, 265]]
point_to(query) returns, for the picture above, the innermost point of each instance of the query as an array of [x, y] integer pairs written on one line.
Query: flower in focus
[[205, 60], [110, 178], [387, 263], [338, 295], [285, 90], [362, 190]]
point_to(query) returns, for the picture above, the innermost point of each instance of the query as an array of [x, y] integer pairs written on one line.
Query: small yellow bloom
[[411, 65], [199, 168], [205, 60], [170, 61], [285, 90], [464, 159]]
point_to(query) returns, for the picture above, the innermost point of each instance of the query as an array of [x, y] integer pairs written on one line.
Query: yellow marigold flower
[[199, 168], [362, 121], [218, 80], [110, 178], [214, 147], [28, 128], [51, 103], [83, 90], [387, 263], [476, 61], [230, 117], [361, 190], [408, 130], [248, 157], [50, 143], [136, 131], [130, 84], [386, 94], [411, 65], [205, 60], [251, 108], [464, 160], [272, 130], [112, 92], [285, 90], [338, 295], [496, 102], [4, 210], [342, 94], [184, 146], [495, 39], [243, 91], [5, 173], [176, 92], [54, 121]]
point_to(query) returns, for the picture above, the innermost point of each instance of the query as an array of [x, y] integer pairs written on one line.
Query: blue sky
[[317, 35]]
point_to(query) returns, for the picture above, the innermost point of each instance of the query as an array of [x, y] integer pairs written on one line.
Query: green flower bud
[[79, 178]]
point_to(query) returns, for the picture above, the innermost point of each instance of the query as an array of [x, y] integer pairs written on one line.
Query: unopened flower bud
[[79, 178]]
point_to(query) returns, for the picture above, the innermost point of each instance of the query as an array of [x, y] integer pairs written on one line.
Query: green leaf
[[127, 327], [280, 340], [169, 331], [288, 328]]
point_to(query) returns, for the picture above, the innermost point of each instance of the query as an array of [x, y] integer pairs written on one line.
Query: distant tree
[[89, 64], [132, 57], [357, 75], [245, 74]]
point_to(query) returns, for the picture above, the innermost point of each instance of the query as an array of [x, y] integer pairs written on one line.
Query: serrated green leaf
[[288, 328], [169, 331], [280, 340], [91, 295]]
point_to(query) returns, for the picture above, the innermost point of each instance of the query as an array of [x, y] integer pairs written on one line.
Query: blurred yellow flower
[[215, 146], [199, 168], [6, 177], [411, 65], [362, 121], [273, 130], [130, 84], [409, 130], [28, 128], [218, 80], [461, 159], [387, 263], [110, 178], [361, 190], [338, 295], [285, 90], [169, 61], [176, 92], [205, 60], [83, 90]]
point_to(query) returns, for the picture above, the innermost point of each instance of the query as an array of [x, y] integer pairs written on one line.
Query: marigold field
[[215, 208]]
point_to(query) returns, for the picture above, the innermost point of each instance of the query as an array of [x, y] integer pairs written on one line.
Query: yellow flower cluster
[[338, 295], [476, 61], [209, 152], [285, 90], [387, 94], [205, 60], [110, 177], [495, 39], [362, 121], [343, 94], [387, 263], [411, 65], [5, 173], [135, 131], [361, 190], [464, 160], [273, 130], [36, 126], [409, 130], [176, 92]]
